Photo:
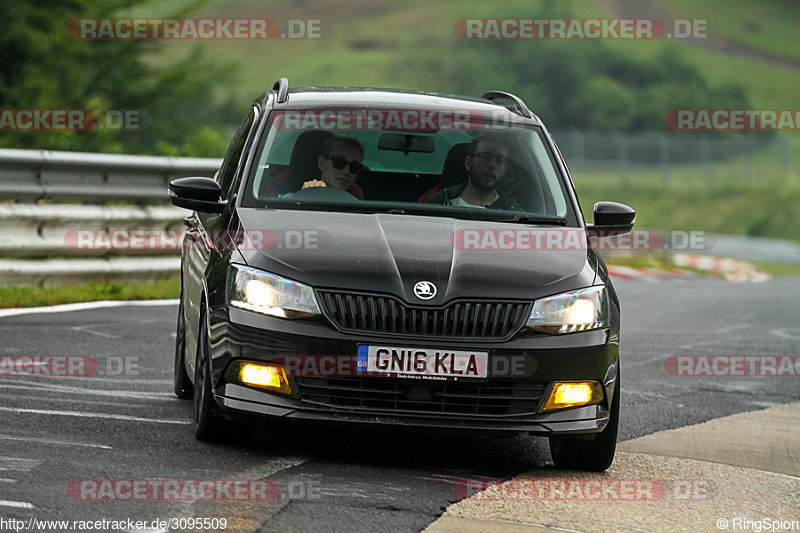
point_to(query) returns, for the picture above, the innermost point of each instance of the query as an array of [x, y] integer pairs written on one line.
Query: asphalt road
[[125, 424]]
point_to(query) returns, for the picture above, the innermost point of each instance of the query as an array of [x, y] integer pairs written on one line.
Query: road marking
[[81, 401], [84, 414], [274, 466], [53, 441], [90, 328], [782, 333], [655, 359], [18, 464], [86, 329], [648, 395], [18, 505], [7, 480], [46, 387], [79, 379], [68, 308]]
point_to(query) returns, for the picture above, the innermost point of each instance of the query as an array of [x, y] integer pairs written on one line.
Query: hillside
[[386, 44]]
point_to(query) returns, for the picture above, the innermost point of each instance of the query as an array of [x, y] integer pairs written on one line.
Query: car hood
[[390, 253]]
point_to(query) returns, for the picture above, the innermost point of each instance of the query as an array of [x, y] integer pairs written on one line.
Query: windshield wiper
[[412, 209], [528, 219]]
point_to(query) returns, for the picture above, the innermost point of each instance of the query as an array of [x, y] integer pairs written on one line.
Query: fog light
[[573, 394], [271, 378], [266, 376]]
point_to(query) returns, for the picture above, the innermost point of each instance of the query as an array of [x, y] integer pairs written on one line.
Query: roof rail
[[520, 109], [282, 86]]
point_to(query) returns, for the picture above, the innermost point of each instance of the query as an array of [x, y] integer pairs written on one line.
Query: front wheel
[[209, 425], [595, 454], [182, 384]]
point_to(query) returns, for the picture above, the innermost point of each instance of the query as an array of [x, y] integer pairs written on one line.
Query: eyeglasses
[[339, 162], [486, 157]]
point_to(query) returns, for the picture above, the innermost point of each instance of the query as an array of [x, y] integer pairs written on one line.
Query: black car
[[393, 257]]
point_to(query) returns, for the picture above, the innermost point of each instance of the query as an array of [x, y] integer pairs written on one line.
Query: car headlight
[[262, 292], [579, 310]]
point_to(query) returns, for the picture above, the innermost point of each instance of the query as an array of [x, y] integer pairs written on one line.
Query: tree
[[44, 67]]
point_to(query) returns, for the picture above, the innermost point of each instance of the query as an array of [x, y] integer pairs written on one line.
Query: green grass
[[756, 194], [640, 260], [777, 269], [12, 297], [766, 25], [766, 210]]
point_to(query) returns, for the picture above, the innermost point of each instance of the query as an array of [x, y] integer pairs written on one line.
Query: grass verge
[[755, 195], [12, 297], [664, 262]]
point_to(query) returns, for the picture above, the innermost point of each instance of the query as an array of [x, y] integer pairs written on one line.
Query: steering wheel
[[332, 194]]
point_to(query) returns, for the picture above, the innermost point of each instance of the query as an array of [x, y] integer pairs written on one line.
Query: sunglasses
[[339, 162]]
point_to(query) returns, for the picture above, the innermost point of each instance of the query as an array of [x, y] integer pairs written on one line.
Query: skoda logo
[[425, 290]]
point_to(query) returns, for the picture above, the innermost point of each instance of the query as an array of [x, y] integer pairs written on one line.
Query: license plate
[[421, 362]]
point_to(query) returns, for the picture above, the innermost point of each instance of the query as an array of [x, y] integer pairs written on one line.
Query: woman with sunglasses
[[339, 164]]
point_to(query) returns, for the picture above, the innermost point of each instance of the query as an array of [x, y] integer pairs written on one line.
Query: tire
[[209, 424], [595, 454], [183, 385]]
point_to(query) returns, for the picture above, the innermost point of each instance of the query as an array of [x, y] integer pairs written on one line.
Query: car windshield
[[432, 163]]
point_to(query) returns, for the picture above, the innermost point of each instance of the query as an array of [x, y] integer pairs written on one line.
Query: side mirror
[[197, 194], [611, 218]]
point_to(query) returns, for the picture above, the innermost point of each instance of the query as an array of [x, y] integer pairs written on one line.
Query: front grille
[[374, 313], [423, 396]]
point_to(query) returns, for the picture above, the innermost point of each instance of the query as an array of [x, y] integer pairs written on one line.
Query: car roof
[[334, 97]]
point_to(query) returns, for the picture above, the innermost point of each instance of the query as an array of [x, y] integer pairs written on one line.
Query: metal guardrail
[[39, 231], [35, 239], [30, 175]]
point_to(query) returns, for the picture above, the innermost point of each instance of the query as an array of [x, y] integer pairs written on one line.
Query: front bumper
[[536, 361]]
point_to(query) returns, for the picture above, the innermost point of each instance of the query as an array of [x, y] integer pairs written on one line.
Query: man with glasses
[[487, 165], [339, 163]]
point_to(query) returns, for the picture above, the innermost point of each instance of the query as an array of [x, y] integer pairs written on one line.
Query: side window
[[236, 150]]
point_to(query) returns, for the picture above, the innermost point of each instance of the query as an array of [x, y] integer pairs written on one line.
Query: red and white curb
[[647, 274], [729, 269]]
